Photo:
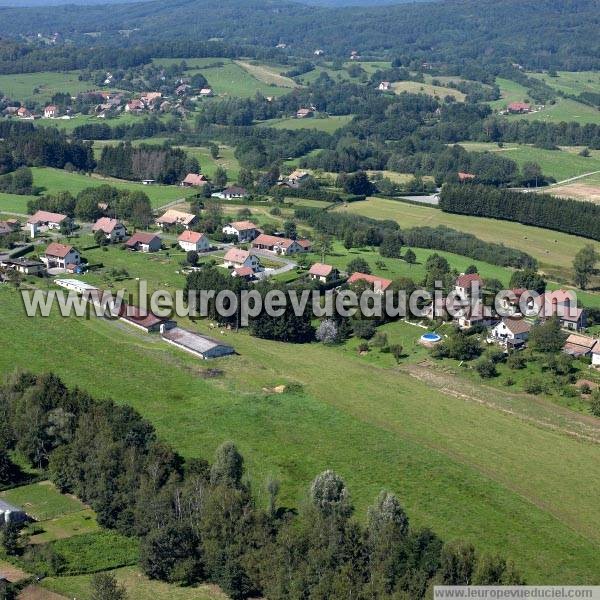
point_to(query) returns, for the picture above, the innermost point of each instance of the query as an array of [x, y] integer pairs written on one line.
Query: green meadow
[[326, 124], [560, 164], [40, 87], [572, 82], [228, 78], [466, 469], [437, 91], [554, 250]]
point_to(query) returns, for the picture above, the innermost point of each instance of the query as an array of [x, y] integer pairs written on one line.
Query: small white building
[[113, 229], [384, 86], [43, 220], [323, 273], [244, 231], [279, 245], [469, 285], [144, 242], [192, 240], [236, 257], [511, 332], [51, 112]]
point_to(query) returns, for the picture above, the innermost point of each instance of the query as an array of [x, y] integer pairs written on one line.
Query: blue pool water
[[431, 337]]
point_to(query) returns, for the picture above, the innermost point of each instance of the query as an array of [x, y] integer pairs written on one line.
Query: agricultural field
[[228, 78], [586, 188], [563, 110], [554, 250], [326, 124], [572, 82], [437, 91], [57, 180], [40, 87], [68, 125], [267, 74], [510, 91], [560, 164], [389, 429], [13, 203]]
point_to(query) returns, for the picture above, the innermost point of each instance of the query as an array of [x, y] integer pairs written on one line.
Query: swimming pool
[[431, 337]]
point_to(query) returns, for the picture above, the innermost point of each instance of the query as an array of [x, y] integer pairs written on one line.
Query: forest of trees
[[198, 521], [541, 210], [164, 164]]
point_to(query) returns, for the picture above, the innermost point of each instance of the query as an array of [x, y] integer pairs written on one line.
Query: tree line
[[199, 521], [541, 210]]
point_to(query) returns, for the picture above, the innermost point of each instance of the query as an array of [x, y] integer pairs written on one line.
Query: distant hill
[[559, 34]]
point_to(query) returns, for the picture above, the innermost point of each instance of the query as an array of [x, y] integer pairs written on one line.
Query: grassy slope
[[572, 82], [449, 460], [229, 78], [552, 248], [414, 87], [560, 164], [23, 86], [327, 124], [137, 585]]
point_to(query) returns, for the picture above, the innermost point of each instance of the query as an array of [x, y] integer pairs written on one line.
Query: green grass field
[[57, 180], [438, 91], [510, 91], [68, 125], [227, 78], [42, 501], [42, 86], [572, 82], [448, 458], [560, 164], [137, 585], [326, 124], [14, 203], [554, 250]]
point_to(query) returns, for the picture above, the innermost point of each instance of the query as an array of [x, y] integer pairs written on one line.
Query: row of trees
[[198, 521], [357, 231], [541, 210]]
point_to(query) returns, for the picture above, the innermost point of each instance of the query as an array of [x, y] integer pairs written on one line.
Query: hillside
[[548, 34]]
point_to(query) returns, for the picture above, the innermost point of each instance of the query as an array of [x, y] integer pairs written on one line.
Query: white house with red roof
[[113, 229], [237, 258], [144, 242], [51, 111], [61, 256], [379, 284], [244, 231], [45, 220], [193, 240], [323, 273], [519, 107], [280, 245], [468, 285]]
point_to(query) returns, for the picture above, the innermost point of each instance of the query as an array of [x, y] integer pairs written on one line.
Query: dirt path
[[526, 407]]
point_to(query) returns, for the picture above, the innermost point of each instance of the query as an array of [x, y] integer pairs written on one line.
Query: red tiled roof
[[58, 250], [237, 255], [377, 282], [519, 106], [467, 280], [304, 243], [195, 179], [321, 270], [465, 176], [243, 271], [190, 236], [105, 224], [43, 216], [243, 225]]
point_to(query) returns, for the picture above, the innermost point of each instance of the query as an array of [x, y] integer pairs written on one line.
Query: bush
[[363, 347], [363, 329], [534, 386], [396, 350], [486, 368], [516, 361], [379, 340], [595, 403]]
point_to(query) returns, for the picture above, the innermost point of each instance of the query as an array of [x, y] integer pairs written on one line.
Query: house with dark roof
[[144, 242]]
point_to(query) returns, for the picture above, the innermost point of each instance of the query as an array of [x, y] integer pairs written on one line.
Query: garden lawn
[[14, 203], [466, 470]]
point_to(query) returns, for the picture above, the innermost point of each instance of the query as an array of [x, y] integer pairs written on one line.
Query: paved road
[[287, 264]]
